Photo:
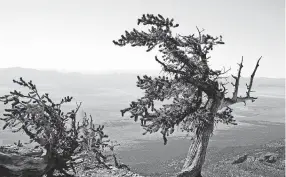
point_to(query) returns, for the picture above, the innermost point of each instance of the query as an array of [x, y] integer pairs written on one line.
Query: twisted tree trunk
[[198, 148], [197, 152]]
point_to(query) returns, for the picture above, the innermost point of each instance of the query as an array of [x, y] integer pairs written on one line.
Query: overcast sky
[[77, 35]]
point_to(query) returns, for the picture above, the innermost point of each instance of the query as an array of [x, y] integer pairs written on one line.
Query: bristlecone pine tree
[[61, 134], [198, 96]]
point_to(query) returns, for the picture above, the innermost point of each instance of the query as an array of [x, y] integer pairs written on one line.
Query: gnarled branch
[[235, 99], [237, 78], [251, 79]]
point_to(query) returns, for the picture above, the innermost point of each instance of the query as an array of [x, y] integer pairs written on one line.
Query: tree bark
[[197, 152]]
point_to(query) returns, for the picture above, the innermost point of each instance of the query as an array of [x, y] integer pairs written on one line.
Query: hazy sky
[[77, 35]]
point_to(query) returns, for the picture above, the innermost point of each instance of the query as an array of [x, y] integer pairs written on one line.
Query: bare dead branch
[[235, 99], [251, 79], [200, 33], [77, 107], [237, 78], [224, 71]]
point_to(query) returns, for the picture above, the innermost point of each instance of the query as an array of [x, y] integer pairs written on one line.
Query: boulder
[[269, 157], [23, 151], [240, 159], [17, 165], [18, 161]]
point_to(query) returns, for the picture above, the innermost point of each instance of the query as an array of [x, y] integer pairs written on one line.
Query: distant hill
[[55, 77], [66, 79], [87, 83]]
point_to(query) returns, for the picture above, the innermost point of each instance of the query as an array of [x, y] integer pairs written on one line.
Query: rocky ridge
[[20, 161]]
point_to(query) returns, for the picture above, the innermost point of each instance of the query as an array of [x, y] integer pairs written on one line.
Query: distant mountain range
[[119, 79]]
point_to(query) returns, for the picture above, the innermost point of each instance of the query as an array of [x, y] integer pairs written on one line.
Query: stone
[[21, 161], [269, 157], [24, 151], [240, 159], [269, 154], [272, 159], [17, 165]]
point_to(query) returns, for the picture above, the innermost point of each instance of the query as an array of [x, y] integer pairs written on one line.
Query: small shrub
[[61, 134]]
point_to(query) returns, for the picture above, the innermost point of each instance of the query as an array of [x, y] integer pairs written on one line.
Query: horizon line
[[112, 71]]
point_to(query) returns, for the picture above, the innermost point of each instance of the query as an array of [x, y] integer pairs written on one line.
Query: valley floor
[[152, 158]]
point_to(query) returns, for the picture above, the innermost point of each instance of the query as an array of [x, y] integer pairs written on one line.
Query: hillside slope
[[255, 161], [266, 160]]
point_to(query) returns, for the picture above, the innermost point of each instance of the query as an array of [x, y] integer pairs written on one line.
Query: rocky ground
[[18, 161], [267, 160], [102, 172]]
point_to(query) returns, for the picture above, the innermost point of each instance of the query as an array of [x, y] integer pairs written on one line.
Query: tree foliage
[[93, 143], [198, 97], [60, 133]]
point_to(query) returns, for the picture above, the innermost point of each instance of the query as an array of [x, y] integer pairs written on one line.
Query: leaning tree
[[197, 92]]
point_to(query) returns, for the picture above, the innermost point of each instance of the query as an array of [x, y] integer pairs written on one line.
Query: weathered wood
[[196, 154]]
